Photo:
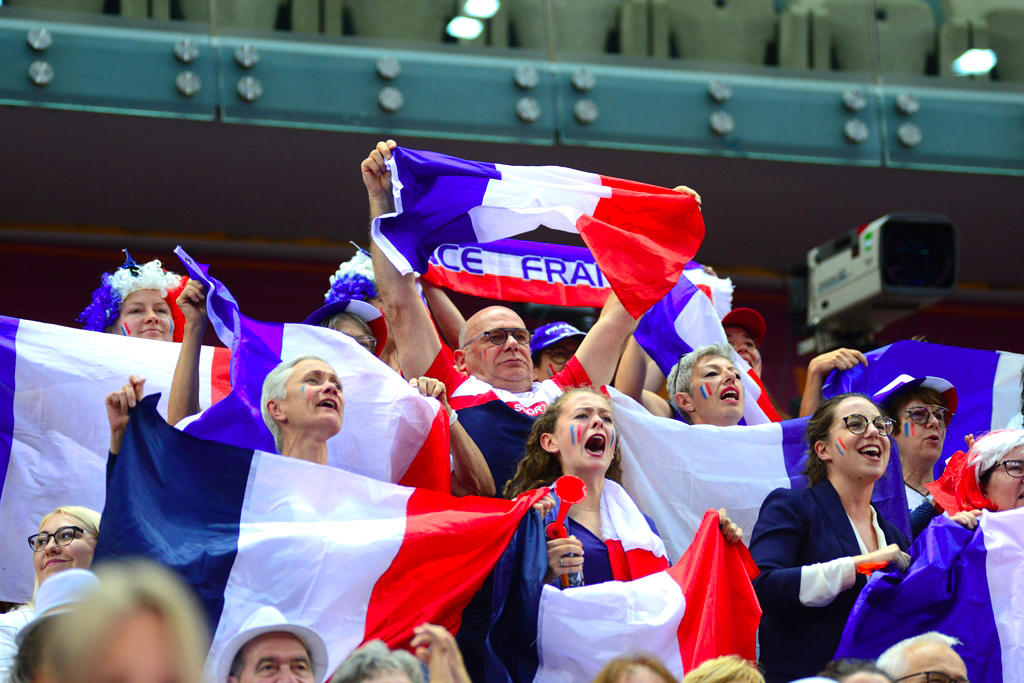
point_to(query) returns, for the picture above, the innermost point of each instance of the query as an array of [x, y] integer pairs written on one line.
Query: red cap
[[748, 319]]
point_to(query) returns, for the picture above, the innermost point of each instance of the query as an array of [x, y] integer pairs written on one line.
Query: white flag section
[[60, 432], [676, 471], [577, 624], [1004, 562]]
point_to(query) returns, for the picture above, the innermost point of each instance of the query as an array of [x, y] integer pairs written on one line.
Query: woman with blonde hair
[[635, 669], [142, 624], [66, 538], [728, 669]]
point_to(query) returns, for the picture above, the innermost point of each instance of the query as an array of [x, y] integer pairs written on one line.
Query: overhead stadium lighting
[[974, 62], [481, 9], [466, 28]]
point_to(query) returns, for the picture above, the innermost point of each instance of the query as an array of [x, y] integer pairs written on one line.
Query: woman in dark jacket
[[809, 542]]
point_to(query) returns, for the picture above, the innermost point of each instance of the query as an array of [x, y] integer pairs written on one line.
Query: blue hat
[[550, 334], [368, 313]]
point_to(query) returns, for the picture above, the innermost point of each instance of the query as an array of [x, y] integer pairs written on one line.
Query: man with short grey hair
[[927, 657]]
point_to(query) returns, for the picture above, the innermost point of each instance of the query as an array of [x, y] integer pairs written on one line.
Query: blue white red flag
[[553, 274], [702, 607], [390, 432], [640, 235], [675, 471], [683, 321], [963, 583], [352, 558], [987, 383], [53, 424]]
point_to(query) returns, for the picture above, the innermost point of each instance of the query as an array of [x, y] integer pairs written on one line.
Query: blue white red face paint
[[840, 446], [705, 391], [906, 429], [125, 330], [572, 434]]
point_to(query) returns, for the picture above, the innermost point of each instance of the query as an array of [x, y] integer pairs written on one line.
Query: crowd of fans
[[523, 410]]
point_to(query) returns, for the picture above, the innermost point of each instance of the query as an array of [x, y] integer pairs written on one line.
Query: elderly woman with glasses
[[988, 477], [809, 543], [66, 538]]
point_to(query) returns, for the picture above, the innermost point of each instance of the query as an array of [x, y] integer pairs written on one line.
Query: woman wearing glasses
[[808, 543], [921, 409], [66, 538], [988, 477]]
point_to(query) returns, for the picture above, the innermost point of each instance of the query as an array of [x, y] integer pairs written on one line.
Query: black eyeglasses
[[499, 335], [62, 536], [932, 677], [858, 424], [366, 341], [1014, 468], [920, 414]]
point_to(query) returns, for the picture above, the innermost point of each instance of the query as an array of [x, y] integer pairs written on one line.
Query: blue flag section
[[963, 583], [160, 503]]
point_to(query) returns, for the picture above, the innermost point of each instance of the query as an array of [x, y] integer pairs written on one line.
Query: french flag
[[53, 425], [351, 557], [966, 584], [987, 384], [685, 320], [641, 235], [675, 471], [702, 607], [390, 432]]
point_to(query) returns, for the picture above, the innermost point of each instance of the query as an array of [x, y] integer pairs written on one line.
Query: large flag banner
[[390, 432], [685, 320], [988, 383], [351, 557], [54, 433], [702, 607], [675, 471], [640, 235], [541, 273], [966, 584]]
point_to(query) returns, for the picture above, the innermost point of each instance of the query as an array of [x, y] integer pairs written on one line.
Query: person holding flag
[[813, 545], [490, 383], [607, 531]]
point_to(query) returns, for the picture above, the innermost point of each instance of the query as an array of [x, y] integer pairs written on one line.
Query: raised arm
[[119, 403], [817, 372], [632, 378], [183, 400], [600, 350], [447, 316], [415, 337]]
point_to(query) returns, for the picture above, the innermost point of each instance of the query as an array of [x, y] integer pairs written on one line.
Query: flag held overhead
[[640, 235]]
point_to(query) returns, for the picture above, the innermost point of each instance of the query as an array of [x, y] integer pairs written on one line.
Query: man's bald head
[[505, 365]]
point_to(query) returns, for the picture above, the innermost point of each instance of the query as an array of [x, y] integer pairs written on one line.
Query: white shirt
[[821, 583], [914, 498], [10, 624]]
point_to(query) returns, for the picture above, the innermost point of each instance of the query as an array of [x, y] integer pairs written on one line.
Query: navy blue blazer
[[798, 527]]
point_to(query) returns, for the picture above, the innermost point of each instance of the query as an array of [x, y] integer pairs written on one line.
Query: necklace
[[584, 507]]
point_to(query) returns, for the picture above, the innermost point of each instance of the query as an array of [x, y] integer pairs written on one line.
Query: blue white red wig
[[103, 311]]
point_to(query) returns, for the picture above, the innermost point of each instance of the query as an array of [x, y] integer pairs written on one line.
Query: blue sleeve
[[921, 517], [775, 545]]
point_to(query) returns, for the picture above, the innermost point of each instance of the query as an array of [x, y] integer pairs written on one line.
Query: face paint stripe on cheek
[[572, 434], [705, 391], [125, 330], [840, 446]]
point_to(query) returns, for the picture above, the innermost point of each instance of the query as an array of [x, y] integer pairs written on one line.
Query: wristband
[[452, 417]]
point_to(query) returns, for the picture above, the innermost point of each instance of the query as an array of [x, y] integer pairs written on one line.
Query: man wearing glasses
[[927, 658], [922, 408]]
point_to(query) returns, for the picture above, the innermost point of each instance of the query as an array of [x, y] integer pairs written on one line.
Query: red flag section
[[722, 612]]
